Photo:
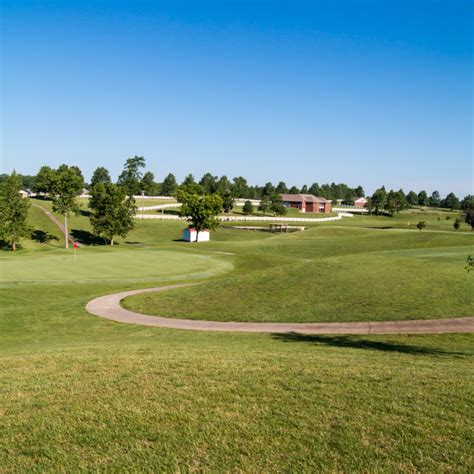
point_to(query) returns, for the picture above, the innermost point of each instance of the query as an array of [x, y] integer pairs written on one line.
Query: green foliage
[[112, 211], [227, 202], [247, 208], [276, 205], [281, 188], [395, 202], [169, 185], [66, 184], [149, 186], [294, 190], [13, 211], [201, 211], [209, 183], [423, 198], [470, 264], [412, 198], [457, 224], [421, 225], [467, 202], [265, 205], [451, 202], [435, 199], [43, 180], [469, 217], [131, 176], [379, 200], [100, 175]]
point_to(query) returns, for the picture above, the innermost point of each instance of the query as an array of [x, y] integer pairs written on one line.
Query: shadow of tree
[[357, 342], [87, 238], [43, 237], [84, 213]]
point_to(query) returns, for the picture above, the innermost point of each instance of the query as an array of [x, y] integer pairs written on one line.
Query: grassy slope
[[79, 392]]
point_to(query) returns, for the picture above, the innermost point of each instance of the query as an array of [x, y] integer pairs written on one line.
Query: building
[[360, 202], [306, 202], [191, 235]]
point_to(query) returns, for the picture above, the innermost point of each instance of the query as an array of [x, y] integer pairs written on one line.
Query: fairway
[[110, 264]]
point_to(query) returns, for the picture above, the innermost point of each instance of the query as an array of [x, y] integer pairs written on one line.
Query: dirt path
[[57, 222], [109, 307]]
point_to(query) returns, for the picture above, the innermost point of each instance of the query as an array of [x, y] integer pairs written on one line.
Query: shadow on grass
[[84, 213], [356, 342], [87, 238]]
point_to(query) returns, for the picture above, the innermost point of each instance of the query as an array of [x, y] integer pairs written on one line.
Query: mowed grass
[[78, 392], [333, 274]]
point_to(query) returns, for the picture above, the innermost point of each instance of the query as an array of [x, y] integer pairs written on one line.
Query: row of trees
[[394, 201]]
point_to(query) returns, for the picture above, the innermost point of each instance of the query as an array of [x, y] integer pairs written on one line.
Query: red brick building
[[360, 202], [306, 202]]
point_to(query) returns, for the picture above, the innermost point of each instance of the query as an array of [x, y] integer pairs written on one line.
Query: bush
[[421, 225]]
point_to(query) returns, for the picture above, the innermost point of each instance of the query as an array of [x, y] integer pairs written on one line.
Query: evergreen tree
[[247, 208], [423, 198], [169, 185], [379, 200], [148, 184], [227, 202], [240, 188], [276, 205], [281, 188], [265, 204], [13, 211], [209, 183], [100, 175], [131, 176], [112, 211], [268, 190], [451, 202], [294, 190], [435, 199], [315, 189], [412, 198], [304, 189]]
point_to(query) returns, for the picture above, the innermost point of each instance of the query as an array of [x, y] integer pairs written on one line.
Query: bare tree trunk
[[13, 246], [112, 241], [66, 232]]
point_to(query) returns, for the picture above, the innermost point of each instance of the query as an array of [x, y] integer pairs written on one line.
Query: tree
[[281, 188], [224, 186], [100, 175], [457, 224], [43, 180], [276, 205], [148, 184], [189, 179], [359, 192], [379, 200], [423, 198], [294, 190], [169, 185], [421, 225], [451, 202], [467, 202], [265, 205], [435, 199], [13, 211], [209, 183], [268, 190], [227, 202], [393, 202], [247, 208], [240, 188], [315, 189], [412, 198], [67, 183], [112, 211], [470, 264], [304, 189], [469, 217], [201, 211], [131, 176]]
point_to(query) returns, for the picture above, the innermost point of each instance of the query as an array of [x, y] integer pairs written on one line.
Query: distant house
[[360, 202], [306, 202]]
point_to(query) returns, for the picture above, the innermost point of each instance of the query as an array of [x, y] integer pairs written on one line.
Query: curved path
[[109, 307]]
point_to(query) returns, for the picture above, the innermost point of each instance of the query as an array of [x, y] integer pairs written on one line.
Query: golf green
[[110, 265]]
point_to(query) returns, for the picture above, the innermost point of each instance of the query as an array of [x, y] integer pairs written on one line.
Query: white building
[[191, 235]]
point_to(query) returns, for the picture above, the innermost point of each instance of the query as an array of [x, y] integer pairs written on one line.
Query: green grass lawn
[[78, 392]]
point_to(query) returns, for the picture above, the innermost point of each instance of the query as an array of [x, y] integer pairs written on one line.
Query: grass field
[[81, 393]]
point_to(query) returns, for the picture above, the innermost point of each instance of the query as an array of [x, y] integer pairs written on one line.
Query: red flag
[[75, 245]]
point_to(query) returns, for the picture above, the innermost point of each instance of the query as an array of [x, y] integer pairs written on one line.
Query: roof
[[303, 198], [360, 199]]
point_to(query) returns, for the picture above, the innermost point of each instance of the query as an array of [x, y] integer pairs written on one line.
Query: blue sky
[[362, 92]]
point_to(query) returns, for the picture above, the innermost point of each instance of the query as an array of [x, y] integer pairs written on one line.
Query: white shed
[[191, 235]]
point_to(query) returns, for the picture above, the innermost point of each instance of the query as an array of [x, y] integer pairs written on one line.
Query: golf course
[[79, 392]]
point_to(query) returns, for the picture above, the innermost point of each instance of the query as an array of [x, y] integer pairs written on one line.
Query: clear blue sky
[[363, 92]]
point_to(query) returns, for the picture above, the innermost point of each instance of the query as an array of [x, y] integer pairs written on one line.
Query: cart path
[[108, 307], [57, 222]]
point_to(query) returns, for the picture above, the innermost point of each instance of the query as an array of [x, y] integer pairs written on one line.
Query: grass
[[81, 393]]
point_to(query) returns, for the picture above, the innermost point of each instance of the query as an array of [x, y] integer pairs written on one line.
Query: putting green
[[110, 265]]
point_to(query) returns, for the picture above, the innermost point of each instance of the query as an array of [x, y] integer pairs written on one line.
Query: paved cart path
[[108, 307], [57, 222]]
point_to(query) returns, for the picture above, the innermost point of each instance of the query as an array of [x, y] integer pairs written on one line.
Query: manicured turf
[[81, 393]]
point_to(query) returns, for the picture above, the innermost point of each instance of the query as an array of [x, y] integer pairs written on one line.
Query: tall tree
[[200, 211], [379, 200], [395, 202], [169, 185], [359, 192], [209, 183], [268, 190], [281, 188], [412, 198], [189, 179], [304, 189], [67, 183], [227, 202], [240, 188], [276, 205], [112, 211], [43, 180], [467, 202], [315, 189], [247, 208], [451, 202], [131, 176], [100, 175], [423, 198], [224, 185], [265, 204], [467, 205], [294, 190], [435, 199], [148, 184], [13, 211]]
